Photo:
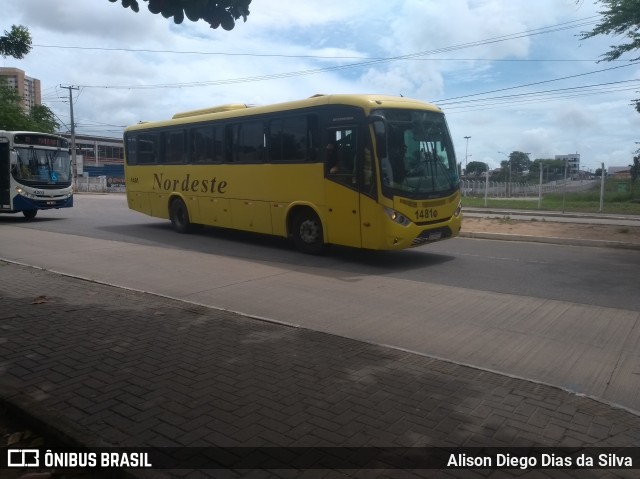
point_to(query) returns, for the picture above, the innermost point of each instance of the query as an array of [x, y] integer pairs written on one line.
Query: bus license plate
[[435, 235]]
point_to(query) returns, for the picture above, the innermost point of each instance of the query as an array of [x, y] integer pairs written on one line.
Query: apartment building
[[28, 88]]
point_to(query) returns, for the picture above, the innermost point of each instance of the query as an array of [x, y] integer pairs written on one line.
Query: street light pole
[[486, 186], [508, 190], [466, 155], [540, 187]]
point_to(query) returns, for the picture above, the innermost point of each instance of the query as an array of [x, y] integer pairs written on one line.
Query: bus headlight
[[22, 192], [458, 209], [397, 217]]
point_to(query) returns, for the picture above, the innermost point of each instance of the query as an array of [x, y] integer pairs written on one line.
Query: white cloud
[[598, 126]]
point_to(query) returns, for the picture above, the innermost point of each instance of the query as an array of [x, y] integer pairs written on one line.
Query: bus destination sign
[[40, 140]]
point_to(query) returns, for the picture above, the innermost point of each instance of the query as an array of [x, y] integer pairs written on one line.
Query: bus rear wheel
[[307, 232], [179, 216], [30, 214]]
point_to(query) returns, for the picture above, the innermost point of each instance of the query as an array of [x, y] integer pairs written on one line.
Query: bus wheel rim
[[309, 231]]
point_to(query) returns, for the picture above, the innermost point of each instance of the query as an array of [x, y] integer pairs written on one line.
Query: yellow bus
[[365, 171]]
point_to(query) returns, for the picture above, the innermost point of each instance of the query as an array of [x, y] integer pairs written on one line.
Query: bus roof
[[26, 132], [234, 110]]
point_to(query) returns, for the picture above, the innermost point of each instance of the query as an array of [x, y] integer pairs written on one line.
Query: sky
[[512, 75]]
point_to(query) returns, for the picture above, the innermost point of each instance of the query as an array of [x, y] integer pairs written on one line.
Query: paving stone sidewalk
[[108, 366]]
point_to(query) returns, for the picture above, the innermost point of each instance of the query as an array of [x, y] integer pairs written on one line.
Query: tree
[[13, 116], [16, 43], [553, 169], [218, 13], [519, 163], [476, 168], [620, 17], [43, 119], [635, 168]]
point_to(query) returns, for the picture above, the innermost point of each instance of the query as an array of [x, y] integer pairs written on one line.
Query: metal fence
[[97, 184], [498, 189]]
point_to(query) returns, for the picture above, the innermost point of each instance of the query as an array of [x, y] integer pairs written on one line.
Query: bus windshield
[[39, 166], [418, 161]]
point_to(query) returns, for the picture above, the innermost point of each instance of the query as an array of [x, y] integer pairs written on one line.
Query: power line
[[548, 29], [511, 104], [444, 101], [543, 92], [367, 62]]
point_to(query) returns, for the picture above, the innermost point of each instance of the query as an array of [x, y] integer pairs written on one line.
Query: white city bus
[[35, 172]]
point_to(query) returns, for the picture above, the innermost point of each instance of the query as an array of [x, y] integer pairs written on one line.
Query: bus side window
[[251, 142], [202, 144], [218, 142], [313, 139], [341, 155], [147, 148], [175, 147], [231, 142], [275, 141], [293, 139], [132, 150]]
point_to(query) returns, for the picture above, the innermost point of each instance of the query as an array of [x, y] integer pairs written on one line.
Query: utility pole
[[601, 188], [466, 155], [486, 186], [540, 188], [564, 186], [74, 165]]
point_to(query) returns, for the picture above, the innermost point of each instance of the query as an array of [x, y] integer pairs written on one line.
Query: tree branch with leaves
[[16, 43], [620, 17], [221, 13]]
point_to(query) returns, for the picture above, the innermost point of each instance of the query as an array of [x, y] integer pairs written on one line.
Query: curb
[[550, 240], [548, 213]]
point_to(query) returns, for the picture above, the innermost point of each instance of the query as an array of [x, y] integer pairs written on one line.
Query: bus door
[[341, 188], [5, 172]]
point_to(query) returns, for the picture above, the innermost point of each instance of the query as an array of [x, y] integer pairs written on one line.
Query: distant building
[[100, 156], [573, 163], [98, 150], [28, 88], [619, 171]]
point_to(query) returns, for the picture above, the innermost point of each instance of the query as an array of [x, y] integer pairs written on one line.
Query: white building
[[573, 163]]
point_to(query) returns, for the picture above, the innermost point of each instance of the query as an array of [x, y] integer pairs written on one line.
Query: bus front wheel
[[307, 232], [30, 214], [179, 216]]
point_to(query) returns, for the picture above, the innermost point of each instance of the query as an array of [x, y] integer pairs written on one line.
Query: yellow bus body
[[266, 197]]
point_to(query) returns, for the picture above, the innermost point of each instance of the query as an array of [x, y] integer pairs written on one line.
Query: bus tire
[[179, 215], [307, 232], [30, 214]]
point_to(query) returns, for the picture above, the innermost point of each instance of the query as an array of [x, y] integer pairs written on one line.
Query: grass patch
[[506, 220], [617, 200]]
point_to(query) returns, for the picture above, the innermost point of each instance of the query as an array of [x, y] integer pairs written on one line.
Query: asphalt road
[[594, 276]]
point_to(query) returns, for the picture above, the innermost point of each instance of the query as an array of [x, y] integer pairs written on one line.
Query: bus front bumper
[[416, 235], [22, 203]]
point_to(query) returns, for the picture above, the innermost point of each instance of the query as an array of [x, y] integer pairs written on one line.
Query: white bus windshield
[[35, 166], [418, 160]]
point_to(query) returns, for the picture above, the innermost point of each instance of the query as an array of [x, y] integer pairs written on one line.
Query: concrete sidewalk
[[111, 366]]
